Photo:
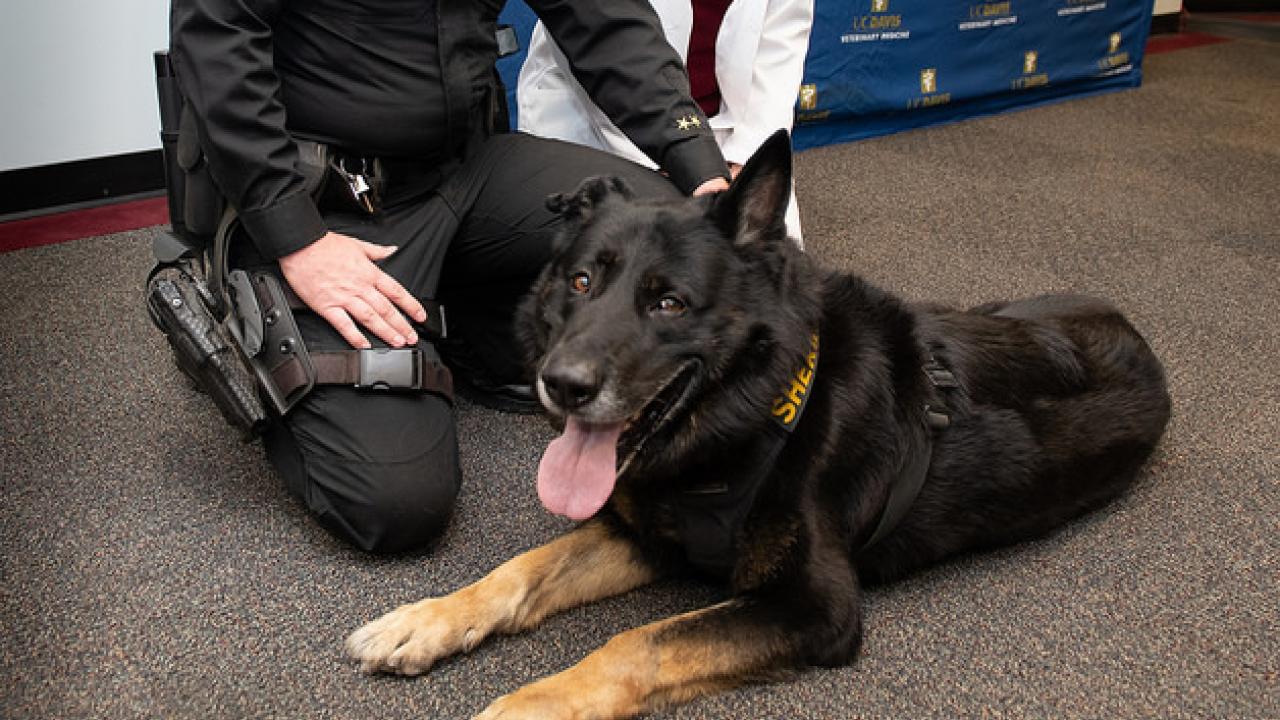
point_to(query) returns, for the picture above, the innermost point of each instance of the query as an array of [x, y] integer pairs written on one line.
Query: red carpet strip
[[61, 227], [1180, 41], [1257, 17]]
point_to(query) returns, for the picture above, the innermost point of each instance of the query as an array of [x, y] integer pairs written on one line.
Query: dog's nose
[[571, 385]]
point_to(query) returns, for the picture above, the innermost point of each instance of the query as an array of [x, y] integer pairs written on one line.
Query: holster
[[180, 305]]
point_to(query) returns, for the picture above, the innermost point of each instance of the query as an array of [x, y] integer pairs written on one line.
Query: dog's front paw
[[411, 638]]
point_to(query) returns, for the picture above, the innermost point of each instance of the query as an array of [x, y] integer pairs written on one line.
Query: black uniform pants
[[380, 469]]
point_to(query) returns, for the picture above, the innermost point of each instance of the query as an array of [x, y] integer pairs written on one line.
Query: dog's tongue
[[578, 470]]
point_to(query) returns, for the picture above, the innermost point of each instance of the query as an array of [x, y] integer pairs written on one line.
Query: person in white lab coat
[[759, 52]]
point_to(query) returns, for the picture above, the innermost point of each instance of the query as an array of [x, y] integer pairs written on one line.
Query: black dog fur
[[1060, 401]]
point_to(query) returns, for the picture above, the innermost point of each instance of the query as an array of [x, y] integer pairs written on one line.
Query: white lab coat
[[760, 54]]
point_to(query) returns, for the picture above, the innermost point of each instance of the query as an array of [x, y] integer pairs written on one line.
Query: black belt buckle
[[390, 369]]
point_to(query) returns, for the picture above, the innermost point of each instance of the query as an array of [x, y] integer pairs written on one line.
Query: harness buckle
[[937, 417], [936, 414], [390, 369], [940, 376]]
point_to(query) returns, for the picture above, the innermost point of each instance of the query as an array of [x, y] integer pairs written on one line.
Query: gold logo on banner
[[1115, 58], [990, 15], [809, 97], [929, 87], [878, 20], [991, 9], [1030, 78], [878, 25], [808, 110], [929, 81]]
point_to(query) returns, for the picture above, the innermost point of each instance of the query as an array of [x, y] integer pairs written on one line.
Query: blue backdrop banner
[[879, 66]]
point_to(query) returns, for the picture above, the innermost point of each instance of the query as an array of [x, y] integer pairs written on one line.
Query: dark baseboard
[[1232, 26], [1210, 6], [49, 186], [1166, 23]]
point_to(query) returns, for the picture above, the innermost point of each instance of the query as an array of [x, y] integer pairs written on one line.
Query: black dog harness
[[708, 517], [906, 487]]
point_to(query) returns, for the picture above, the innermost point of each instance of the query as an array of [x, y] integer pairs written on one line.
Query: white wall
[[1165, 7], [76, 79]]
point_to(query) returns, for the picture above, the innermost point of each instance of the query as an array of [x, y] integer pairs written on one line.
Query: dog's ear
[[592, 191], [754, 208]]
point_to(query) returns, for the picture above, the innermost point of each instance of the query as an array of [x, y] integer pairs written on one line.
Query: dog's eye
[[670, 305], [580, 283]]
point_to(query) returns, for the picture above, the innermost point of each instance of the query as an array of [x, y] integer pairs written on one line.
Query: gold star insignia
[[688, 121]]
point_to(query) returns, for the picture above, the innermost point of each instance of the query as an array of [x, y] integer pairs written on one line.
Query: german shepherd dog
[[731, 407]]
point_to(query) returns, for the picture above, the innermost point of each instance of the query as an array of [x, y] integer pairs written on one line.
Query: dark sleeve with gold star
[[618, 53]]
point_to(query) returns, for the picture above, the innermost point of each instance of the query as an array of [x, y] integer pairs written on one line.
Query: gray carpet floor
[[151, 565]]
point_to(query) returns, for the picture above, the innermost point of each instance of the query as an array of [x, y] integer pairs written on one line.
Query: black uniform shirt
[[406, 78], [359, 74]]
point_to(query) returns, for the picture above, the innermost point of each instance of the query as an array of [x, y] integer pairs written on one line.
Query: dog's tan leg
[[587, 564], [660, 664]]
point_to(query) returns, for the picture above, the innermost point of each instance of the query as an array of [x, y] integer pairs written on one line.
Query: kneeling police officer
[[361, 148]]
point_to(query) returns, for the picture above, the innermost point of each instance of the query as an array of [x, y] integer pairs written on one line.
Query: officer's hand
[[336, 277], [714, 185]]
